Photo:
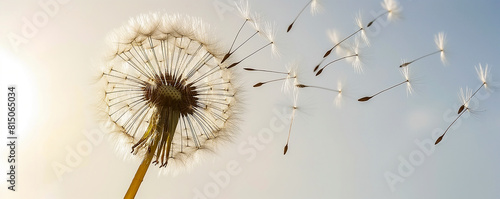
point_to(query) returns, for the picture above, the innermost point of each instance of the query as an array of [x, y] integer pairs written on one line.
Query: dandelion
[[392, 11], [406, 74], [464, 96], [440, 41], [483, 76], [314, 9], [353, 56], [269, 33], [360, 31], [338, 98], [165, 91]]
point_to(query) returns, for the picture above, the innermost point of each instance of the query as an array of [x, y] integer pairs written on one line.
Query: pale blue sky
[[335, 152]]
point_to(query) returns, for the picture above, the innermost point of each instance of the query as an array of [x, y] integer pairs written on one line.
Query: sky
[[382, 148]]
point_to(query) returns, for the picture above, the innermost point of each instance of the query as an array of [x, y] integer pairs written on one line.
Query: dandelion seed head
[[291, 78], [243, 9], [270, 33], [393, 9], [338, 98], [359, 22], [163, 72], [256, 22], [440, 41], [146, 24], [483, 74], [165, 28], [405, 71], [316, 7], [355, 57]]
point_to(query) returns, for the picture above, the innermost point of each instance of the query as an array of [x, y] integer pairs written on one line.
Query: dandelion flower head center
[[173, 94], [169, 92]]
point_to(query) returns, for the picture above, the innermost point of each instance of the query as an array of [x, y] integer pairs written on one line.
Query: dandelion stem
[[141, 172], [274, 80], [236, 63], [329, 51], [441, 137], [389, 88], [408, 63], [345, 57], [318, 87], [482, 85], [253, 35], [371, 22], [167, 122], [267, 71], [237, 34], [232, 45], [289, 130], [291, 25]]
